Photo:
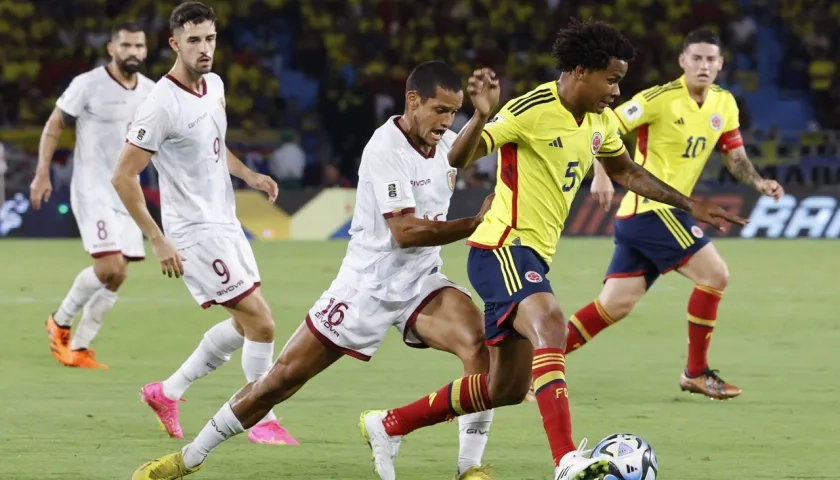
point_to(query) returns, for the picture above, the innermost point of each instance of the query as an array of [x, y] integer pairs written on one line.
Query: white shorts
[[354, 323], [220, 271], [106, 231]]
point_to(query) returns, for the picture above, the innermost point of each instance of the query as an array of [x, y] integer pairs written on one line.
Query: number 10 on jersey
[[693, 145]]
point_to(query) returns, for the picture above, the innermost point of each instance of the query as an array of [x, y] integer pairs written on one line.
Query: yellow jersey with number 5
[[676, 136], [544, 154]]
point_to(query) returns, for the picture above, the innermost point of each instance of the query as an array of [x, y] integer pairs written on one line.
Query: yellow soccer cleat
[[168, 467], [475, 473]]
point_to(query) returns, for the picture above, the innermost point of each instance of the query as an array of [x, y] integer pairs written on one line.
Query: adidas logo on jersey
[[556, 143], [680, 121]]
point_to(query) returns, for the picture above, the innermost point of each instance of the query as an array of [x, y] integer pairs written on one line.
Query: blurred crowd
[[324, 74]]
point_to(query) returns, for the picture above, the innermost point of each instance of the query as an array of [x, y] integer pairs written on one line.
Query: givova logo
[[815, 216]]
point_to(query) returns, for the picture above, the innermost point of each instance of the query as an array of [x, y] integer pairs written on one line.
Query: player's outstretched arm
[[483, 89], [742, 168], [633, 177], [410, 231], [254, 180], [41, 187]]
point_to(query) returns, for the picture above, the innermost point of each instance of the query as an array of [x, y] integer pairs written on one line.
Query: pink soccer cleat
[[165, 409], [270, 433]]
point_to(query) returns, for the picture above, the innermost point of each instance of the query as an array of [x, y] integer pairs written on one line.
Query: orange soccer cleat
[[708, 383], [84, 358], [59, 340]]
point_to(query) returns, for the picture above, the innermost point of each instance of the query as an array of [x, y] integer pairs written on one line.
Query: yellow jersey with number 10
[[544, 155], [676, 136]]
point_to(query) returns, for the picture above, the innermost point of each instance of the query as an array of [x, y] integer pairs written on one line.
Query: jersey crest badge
[[533, 277], [222, 104], [451, 176], [597, 141], [716, 122], [696, 231]]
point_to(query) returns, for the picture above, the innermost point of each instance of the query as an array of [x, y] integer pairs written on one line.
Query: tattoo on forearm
[[638, 180], [742, 168]]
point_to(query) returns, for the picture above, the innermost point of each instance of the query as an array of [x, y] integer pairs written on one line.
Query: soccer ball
[[633, 456]]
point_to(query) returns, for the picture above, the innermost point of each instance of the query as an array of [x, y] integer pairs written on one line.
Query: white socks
[[257, 359], [222, 426], [92, 316], [214, 350], [84, 286], [474, 432]]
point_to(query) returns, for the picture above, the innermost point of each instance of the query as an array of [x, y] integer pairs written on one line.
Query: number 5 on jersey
[[571, 174]]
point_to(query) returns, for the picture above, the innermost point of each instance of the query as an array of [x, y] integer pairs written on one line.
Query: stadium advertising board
[[326, 214]]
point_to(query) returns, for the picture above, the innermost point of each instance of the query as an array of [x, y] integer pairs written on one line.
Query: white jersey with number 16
[[396, 178]]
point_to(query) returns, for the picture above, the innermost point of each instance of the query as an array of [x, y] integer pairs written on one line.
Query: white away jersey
[[186, 132], [396, 178], [103, 109]]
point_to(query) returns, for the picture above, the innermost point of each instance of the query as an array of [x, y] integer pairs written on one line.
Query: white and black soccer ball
[[633, 456]]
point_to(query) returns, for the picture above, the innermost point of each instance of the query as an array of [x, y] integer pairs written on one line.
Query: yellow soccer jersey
[[544, 155], [676, 136]]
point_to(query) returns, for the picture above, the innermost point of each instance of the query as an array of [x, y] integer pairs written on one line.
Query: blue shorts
[[502, 278], [653, 243]]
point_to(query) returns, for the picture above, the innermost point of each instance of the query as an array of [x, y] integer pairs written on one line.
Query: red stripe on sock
[[592, 323], [440, 406], [553, 401]]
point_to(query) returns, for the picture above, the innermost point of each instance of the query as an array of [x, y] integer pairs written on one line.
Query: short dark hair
[[701, 36], [129, 27], [590, 44], [426, 77], [191, 12]]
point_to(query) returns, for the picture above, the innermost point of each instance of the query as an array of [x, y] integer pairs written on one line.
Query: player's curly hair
[[590, 44]]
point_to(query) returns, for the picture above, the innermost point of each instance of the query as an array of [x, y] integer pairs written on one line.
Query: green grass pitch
[[777, 337]]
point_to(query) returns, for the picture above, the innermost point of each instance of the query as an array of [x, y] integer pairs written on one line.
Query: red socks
[[549, 376], [585, 324], [463, 396], [702, 315]]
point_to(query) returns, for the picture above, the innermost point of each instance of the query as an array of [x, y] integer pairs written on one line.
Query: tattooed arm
[[633, 177], [741, 167]]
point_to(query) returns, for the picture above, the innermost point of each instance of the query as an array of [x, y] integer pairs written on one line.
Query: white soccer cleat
[[577, 465], [384, 446]]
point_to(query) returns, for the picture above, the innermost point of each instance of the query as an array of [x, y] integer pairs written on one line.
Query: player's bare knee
[[618, 306], [111, 272], [258, 329], [550, 329], [718, 277], [474, 354]]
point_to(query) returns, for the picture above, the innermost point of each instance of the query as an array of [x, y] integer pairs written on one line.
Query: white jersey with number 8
[[103, 109]]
